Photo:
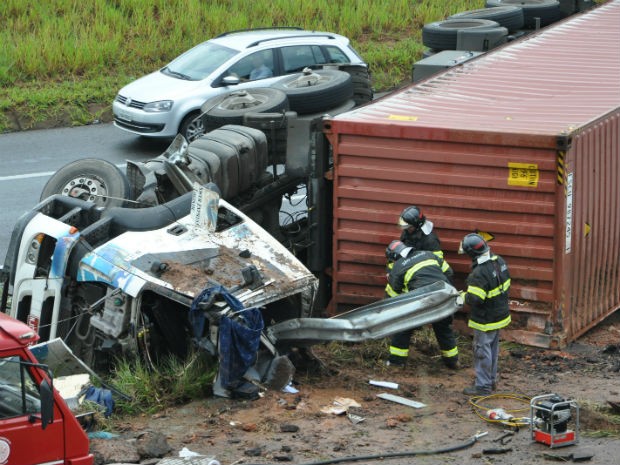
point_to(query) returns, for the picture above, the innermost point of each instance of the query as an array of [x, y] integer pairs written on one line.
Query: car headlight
[[158, 107]]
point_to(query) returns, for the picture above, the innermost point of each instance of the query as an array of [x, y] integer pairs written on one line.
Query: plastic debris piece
[[401, 400], [385, 384], [355, 419], [185, 452]]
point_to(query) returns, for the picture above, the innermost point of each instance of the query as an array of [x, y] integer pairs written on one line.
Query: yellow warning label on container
[[403, 118], [586, 229], [487, 236], [523, 174]]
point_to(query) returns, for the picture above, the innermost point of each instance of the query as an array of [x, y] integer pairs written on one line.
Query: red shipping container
[[522, 143]]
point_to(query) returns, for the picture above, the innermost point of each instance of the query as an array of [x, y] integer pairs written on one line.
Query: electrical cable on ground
[[356, 458], [514, 421]]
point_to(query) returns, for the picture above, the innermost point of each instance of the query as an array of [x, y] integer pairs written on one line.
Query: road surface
[[29, 158]]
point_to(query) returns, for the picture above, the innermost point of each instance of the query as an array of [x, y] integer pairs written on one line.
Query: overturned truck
[[190, 249]]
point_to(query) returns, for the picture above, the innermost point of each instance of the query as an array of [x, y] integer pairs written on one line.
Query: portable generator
[[551, 416]]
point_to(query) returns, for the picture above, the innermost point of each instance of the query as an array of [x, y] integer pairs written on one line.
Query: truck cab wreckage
[[113, 280]]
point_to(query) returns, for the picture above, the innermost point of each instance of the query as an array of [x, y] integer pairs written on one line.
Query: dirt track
[[291, 428]]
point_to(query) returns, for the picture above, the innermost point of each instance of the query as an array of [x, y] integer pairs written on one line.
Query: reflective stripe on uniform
[[450, 353], [477, 291], [418, 266], [490, 326], [390, 291], [499, 289], [439, 253], [445, 267], [399, 352]]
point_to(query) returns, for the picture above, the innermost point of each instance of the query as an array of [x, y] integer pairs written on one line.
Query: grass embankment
[[64, 60]]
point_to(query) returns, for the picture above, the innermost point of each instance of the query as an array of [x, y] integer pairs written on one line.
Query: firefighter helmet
[[394, 250], [473, 245], [411, 216]]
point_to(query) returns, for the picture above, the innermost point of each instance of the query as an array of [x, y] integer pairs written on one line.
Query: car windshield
[[198, 62]]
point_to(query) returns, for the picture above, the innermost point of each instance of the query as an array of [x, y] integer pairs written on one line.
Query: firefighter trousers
[[399, 346]]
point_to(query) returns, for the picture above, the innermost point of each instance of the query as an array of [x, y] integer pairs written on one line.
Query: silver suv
[[167, 102]]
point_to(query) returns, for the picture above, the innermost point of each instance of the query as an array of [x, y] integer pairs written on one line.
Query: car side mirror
[[231, 80], [47, 403]]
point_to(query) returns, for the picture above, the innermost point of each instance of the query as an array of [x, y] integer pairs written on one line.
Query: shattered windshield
[[198, 62]]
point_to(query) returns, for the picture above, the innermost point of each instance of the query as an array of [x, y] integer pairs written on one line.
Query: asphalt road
[[29, 158]]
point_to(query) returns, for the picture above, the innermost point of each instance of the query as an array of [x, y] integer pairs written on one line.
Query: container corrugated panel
[[521, 143]]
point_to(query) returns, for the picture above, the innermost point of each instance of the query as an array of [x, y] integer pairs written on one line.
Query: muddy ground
[[291, 428]]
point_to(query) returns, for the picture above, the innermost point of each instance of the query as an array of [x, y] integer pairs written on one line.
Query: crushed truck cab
[[120, 282], [36, 425]]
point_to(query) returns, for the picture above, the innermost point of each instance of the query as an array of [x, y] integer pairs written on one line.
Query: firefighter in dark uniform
[[418, 231], [411, 270], [487, 298]]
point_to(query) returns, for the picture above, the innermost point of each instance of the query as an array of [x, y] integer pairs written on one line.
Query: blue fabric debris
[[238, 345], [102, 397], [239, 334]]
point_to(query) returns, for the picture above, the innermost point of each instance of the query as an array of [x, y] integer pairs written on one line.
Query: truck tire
[[230, 108], [92, 179], [362, 83], [442, 35], [316, 91], [275, 127], [509, 16], [192, 126], [547, 10]]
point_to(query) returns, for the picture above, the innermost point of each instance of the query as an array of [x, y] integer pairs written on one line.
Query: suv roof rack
[[253, 44], [296, 28]]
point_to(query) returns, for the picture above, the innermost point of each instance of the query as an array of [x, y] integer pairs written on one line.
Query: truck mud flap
[[380, 319]]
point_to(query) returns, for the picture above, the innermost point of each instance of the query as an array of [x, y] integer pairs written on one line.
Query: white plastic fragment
[[385, 384], [185, 452], [401, 400]]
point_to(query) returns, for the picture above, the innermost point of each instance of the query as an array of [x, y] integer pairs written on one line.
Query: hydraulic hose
[[356, 458]]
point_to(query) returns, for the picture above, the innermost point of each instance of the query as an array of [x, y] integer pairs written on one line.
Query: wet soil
[[283, 427]]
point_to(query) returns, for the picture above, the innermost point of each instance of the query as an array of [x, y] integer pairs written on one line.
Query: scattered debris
[[496, 451], [505, 438], [185, 452], [574, 456], [401, 400], [355, 419], [341, 405], [385, 384]]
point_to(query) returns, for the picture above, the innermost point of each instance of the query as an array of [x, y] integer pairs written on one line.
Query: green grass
[[173, 382], [69, 58]]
